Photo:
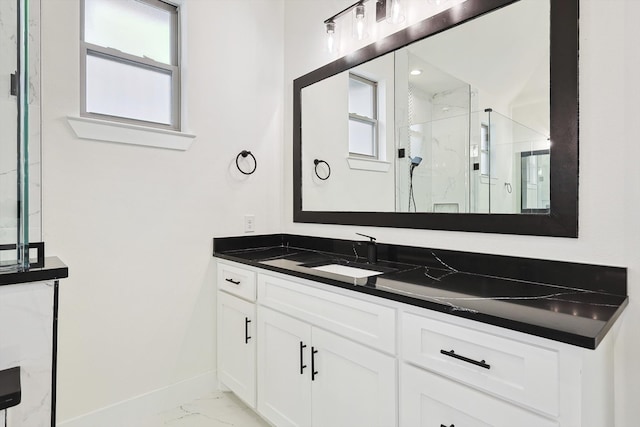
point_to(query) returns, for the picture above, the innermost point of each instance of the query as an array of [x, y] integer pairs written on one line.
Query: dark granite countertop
[[53, 269], [567, 302]]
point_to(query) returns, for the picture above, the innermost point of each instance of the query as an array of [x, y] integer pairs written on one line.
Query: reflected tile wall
[[26, 340]]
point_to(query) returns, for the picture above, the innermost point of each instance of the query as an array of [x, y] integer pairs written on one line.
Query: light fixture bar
[[344, 11]]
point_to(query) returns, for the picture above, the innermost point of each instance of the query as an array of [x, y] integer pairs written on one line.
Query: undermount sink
[[355, 273], [345, 270]]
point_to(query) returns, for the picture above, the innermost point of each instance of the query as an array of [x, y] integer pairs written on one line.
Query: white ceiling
[[504, 53]]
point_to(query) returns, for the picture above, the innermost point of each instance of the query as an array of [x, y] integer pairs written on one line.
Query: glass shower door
[[14, 135]]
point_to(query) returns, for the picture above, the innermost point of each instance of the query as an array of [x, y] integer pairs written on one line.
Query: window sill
[[102, 130], [484, 179], [368, 165]]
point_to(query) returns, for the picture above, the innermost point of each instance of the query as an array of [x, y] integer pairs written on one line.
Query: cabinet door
[[237, 346], [427, 399], [284, 365], [354, 386]]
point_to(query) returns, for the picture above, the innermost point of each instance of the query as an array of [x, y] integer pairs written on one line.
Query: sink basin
[[345, 270]]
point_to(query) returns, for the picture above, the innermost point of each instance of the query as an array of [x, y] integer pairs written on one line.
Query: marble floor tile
[[219, 409]]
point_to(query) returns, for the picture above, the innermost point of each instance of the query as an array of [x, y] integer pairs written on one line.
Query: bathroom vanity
[[429, 337], [28, 330]]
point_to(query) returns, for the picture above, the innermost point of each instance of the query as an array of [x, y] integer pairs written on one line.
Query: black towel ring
[[245, 153], [317, 162]]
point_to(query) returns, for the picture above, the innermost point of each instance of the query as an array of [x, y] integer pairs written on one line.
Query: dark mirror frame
[[562, 219]]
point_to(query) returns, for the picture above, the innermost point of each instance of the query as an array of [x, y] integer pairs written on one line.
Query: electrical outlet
[[249, 223]]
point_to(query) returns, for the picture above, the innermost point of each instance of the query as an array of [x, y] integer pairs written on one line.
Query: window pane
[[361, 138], [131, 26], [361, 98], [121, 89]]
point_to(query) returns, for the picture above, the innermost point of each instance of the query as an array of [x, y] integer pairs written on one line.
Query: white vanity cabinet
[[236, 322], [308, 354], [457, 372], [427, 399], [312, 376], [508, 368]]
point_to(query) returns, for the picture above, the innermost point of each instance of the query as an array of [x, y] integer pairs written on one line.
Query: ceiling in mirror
[[460, 121]]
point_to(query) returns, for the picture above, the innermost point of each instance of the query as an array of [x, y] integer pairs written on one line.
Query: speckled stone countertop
[[563, 301]]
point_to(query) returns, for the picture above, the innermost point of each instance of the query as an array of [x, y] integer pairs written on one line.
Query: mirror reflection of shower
[[469, 141]]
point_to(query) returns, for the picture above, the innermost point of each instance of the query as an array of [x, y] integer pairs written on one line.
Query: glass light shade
[[331, 36], [395, 12], [359, 22]]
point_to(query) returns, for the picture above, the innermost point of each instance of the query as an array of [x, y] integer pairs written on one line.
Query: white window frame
[[369, 120], [173, 69]]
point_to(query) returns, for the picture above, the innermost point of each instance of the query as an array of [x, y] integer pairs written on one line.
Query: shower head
[[415, 161]]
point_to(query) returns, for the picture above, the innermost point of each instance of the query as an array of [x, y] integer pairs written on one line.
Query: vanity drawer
[[427, 399], [237, 281], [361, 321], [520, 372]]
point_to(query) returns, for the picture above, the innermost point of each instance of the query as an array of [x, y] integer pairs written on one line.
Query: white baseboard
[[147, 404]]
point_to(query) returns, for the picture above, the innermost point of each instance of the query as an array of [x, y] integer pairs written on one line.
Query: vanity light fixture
[[415, 72], [359, 20], [359, 23], [331, 31], [391, 10], [395, 12]]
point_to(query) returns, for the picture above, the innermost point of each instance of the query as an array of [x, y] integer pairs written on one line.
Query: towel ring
[[316, 162], [245, 153], [507, 186]]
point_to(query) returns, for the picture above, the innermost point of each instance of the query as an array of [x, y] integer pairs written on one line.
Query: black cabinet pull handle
[[481, 363], [302, 365], [246, 330], [313, 364], [442, 425], [235, 282]]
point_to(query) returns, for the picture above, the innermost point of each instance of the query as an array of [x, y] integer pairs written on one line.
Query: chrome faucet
[[372, 249]]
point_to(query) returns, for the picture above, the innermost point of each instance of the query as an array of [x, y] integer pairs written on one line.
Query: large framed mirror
[[465, 121]]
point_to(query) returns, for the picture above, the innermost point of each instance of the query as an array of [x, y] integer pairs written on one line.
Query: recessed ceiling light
[[416, 72]]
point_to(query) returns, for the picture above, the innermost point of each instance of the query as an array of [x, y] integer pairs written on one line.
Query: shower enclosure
[[465, 161], [19, 131]]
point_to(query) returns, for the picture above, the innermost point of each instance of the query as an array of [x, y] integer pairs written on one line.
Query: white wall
[[609, 175], [368, 190], [135, 224]]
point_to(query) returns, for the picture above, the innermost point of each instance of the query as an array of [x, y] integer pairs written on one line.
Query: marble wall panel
[[26, 340]]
